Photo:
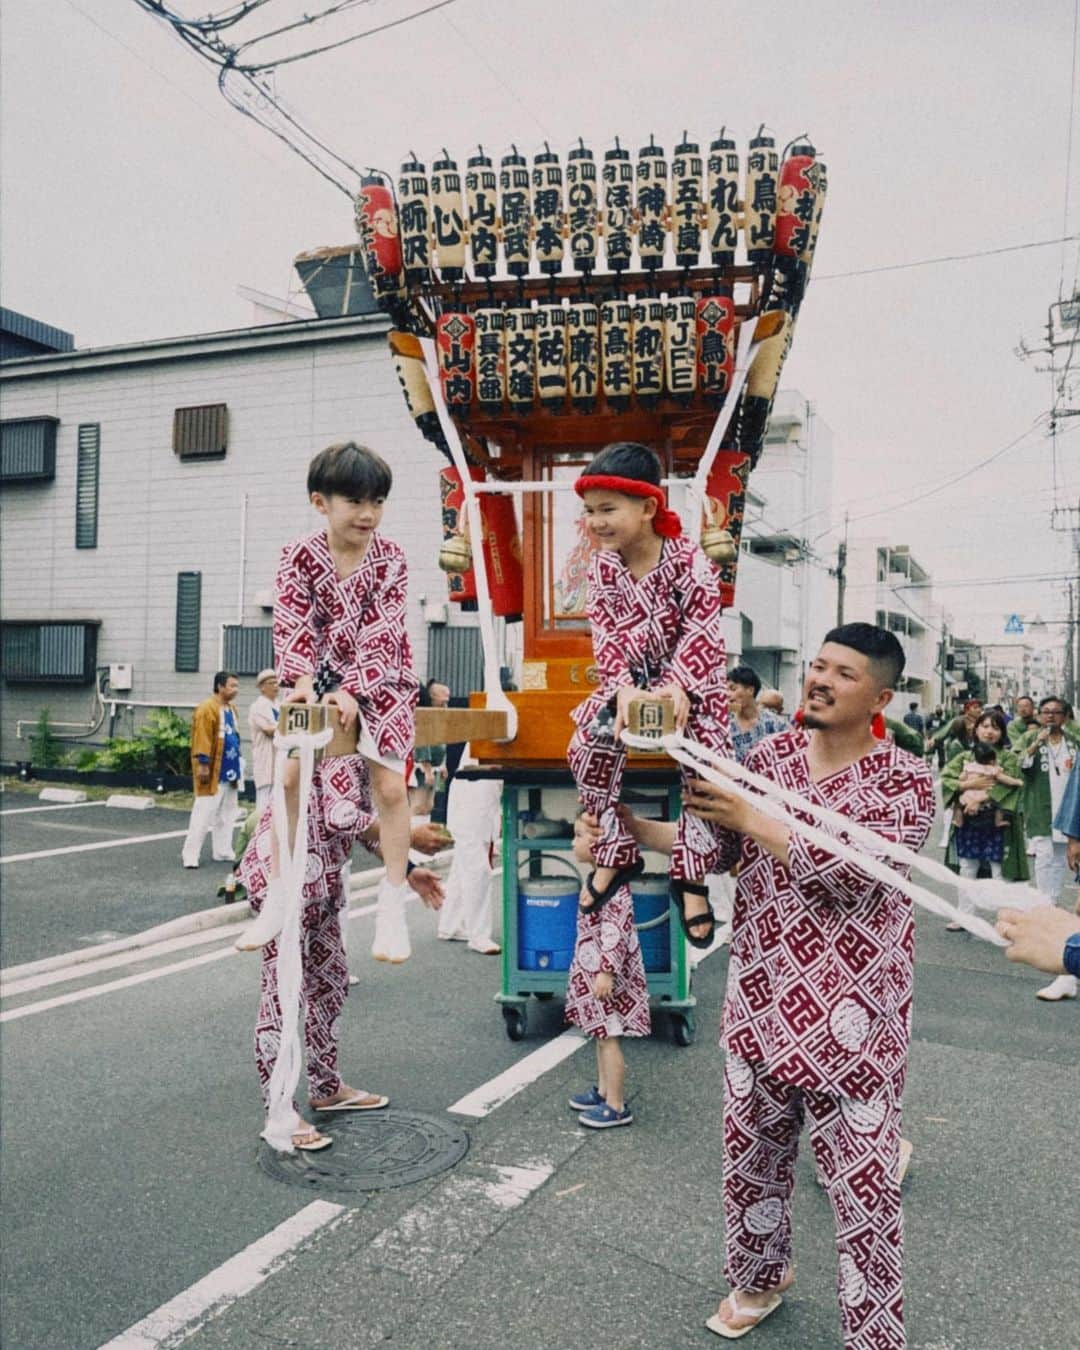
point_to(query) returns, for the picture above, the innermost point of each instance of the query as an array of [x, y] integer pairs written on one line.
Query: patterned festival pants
[[597, 764], [325, 984], [856, 1150]]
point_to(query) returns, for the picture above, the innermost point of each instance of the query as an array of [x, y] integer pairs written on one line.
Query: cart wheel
[[515, 1022], [544, 996], [683, 1030]]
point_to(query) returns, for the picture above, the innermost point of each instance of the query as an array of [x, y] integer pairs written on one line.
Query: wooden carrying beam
[[444, 726]]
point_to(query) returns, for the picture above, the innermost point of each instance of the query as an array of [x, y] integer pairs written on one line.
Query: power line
[[946, 258]]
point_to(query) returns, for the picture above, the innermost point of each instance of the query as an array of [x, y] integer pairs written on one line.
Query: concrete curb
[[218, 917]]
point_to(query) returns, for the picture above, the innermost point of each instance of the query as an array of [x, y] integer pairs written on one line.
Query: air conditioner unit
[[120, 677]]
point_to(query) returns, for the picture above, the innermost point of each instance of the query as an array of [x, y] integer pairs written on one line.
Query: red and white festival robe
[[356, 626], [817, 1021], [608, 941], [647, 632]]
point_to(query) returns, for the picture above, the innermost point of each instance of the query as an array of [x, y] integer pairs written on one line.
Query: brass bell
[[455, 554], [719, 544]]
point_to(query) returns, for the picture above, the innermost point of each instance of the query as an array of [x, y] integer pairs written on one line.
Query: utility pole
[[944, 657], [841, 573]]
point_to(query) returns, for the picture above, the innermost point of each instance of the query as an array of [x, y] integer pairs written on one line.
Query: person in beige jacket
[[262, 724]]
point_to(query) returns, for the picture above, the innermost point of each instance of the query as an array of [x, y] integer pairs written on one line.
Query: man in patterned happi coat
[[817, 1017]]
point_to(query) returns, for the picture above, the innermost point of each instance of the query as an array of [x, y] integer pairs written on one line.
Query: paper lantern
[[501, 545], [616, 352], [715, 323], [414, 222], [618, 207], [680, 343], [821, 175], [447, 219], [408, 361], [762, 381], [520, 333], [686, 204], [583, 352], [377, 224], [795, 203], [648, 337], [514, 211], [723, 204], [490, 359], [652, 210], [759, 203], [551, 356], [581, 206], [547, 210], [455, 556], [482, 198], [455, 341], [725, 501]]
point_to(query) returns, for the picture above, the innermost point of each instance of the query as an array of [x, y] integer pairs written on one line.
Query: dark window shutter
[[188, 616], [86, 486], [248, 650], [455, 657], [28, 450], [201, 432], [35, 652]]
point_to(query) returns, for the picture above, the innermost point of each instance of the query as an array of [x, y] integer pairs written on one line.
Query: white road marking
[[95, 991], [128, 958], [86, 848], [64, 806], [484, 1099], [209, 1297]]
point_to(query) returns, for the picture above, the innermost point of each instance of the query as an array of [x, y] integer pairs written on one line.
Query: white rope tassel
[[723, 771], [282, 1120]]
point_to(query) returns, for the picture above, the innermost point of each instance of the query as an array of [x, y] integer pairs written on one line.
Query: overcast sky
[[136, 201]]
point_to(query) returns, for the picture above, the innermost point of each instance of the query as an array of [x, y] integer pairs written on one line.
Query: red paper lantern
[[377, 223], [455, 341], [502, 546], [715, 343], [725, 500], [796, 203]]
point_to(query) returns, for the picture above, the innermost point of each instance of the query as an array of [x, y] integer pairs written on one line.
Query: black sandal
[[701, 940], [621, 878]]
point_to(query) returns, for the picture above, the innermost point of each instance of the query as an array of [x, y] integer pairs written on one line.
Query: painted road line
[[209, 1297], [484, 1099], [65, 974], [86, 848], [95, 991], [63, 806]]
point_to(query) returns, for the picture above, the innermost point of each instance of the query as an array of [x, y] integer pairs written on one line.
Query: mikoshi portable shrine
[[541, 311]]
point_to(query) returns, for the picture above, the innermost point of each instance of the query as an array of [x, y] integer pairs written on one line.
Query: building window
[[202, 432], [455, 657], [248, 650], [188, 616], [28, 450], [86, 485], [36, 652]]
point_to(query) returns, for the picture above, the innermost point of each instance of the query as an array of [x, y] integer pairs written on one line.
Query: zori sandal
[[310, 1141], [725, 1329], [621, 878], [700, 929]]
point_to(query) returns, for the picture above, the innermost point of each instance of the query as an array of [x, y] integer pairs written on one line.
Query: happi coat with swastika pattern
[[820, 983], [356, 625]]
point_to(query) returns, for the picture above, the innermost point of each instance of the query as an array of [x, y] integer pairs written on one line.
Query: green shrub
[[126, 756], [169, 737], [46, 751]]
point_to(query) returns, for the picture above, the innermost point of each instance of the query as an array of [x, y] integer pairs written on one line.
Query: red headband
[[665, 522]]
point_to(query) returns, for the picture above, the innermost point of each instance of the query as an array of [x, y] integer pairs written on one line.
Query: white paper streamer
[[282, 1120]]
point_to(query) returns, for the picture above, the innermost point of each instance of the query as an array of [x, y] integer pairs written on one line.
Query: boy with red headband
[[654, 606]]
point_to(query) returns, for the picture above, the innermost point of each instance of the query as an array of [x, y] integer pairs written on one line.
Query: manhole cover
[[372, 1152]]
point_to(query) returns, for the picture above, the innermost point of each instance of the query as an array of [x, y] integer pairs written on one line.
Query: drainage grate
[[373, 1152]]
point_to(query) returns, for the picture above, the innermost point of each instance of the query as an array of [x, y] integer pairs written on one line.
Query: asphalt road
[[130, 1143]]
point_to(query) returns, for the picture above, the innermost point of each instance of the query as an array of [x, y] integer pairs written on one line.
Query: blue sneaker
[[604, 1117], [583, 1101]]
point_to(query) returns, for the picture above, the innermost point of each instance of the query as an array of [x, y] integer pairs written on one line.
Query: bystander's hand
[[602, 985], [709, 801], [427, 886], [347, 707], [202, 774], [680, 701], [429, 837], [626, 695], [1072, 854], [303, 691], [1037, 937]]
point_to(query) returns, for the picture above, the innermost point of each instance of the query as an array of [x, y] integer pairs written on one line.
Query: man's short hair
[[222, 678], [883, 649], [1054, 698], [748, 678], [350, 470], [913, 707]]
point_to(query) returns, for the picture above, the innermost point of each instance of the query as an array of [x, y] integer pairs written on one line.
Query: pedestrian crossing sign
[[1014, 624]]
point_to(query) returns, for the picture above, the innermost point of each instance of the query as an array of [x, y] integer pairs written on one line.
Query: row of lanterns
[[518, 216], [643, 349]]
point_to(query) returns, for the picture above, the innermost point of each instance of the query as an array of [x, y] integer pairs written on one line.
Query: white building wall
[[902, 591], [159, 516]]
